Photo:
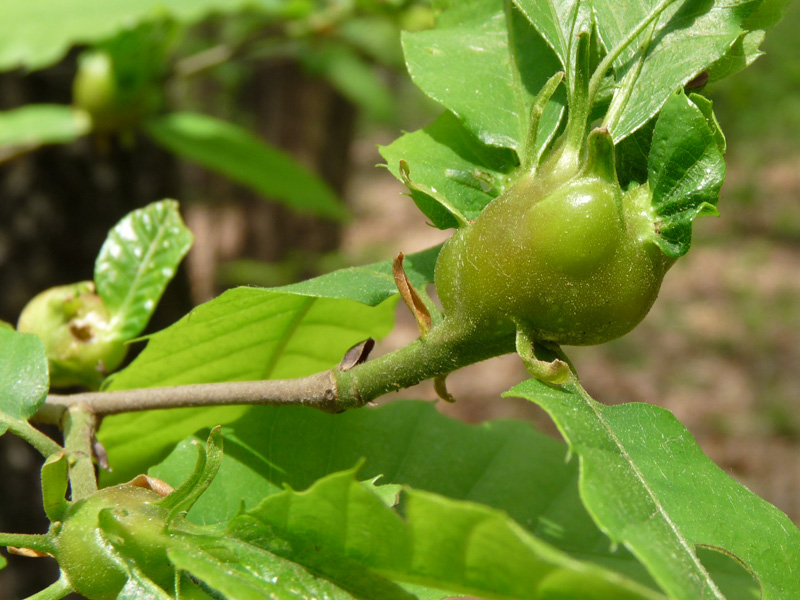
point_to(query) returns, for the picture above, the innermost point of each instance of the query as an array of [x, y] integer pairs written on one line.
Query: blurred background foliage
[[262, 118]]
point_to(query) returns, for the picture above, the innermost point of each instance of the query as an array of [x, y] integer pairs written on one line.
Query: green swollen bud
[[81, 344]]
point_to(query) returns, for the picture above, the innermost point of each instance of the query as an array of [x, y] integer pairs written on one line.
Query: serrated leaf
[[406, 443], [137, 261], [685, 172], [443, 543], [245, 334], [24, 378], [38, 33], [650, 487], [29, 127], [236, 153], [485, 64], [447, 158], [687, 39]]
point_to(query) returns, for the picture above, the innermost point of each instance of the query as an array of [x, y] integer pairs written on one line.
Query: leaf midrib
[[660, 510]]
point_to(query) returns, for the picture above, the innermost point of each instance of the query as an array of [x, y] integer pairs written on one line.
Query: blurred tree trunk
[[309, 119]]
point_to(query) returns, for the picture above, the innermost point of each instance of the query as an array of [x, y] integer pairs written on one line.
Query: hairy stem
[[32, 541], [79, 428], [44, 444], [446, 348]]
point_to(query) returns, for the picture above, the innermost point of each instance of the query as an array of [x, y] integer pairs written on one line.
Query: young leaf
[[137, 261], [686, 39], [23, 374], [35, 125], [485, 63], [245, 334], [236, 153], [54, 486], [685, 172], [445, 157], [650, 487], [206, 468]]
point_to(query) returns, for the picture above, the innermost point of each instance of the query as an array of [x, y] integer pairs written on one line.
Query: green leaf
[[561, 24], [447, 158], [554, 21], [208, 462], [440, 542], [38, 33], [707, 108], [35, 125], [242, 571], [486, 64], [650, 487], [406, 443], [245, 334], [687, 39], [236, 153], [368, 284], [23, 374], [137, 261], [746, 49], [685, 172]]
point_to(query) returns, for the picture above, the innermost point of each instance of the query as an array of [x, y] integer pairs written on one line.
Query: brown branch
[[318, 391]]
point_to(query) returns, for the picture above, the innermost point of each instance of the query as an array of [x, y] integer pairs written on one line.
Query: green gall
[[83, 549], [76, 327], [569, 258]]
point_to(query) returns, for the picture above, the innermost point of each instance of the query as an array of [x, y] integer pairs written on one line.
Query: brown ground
[[720, 349]]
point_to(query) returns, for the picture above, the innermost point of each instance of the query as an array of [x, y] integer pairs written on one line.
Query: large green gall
[[568, 257]]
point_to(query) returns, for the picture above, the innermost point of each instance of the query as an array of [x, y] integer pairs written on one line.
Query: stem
[[79, 428], [44, 444], [56, 591], [316, 390], [447, 347], [608, 60], [34, 541]]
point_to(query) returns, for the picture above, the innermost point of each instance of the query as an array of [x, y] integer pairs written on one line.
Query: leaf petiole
[[22, 429]]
